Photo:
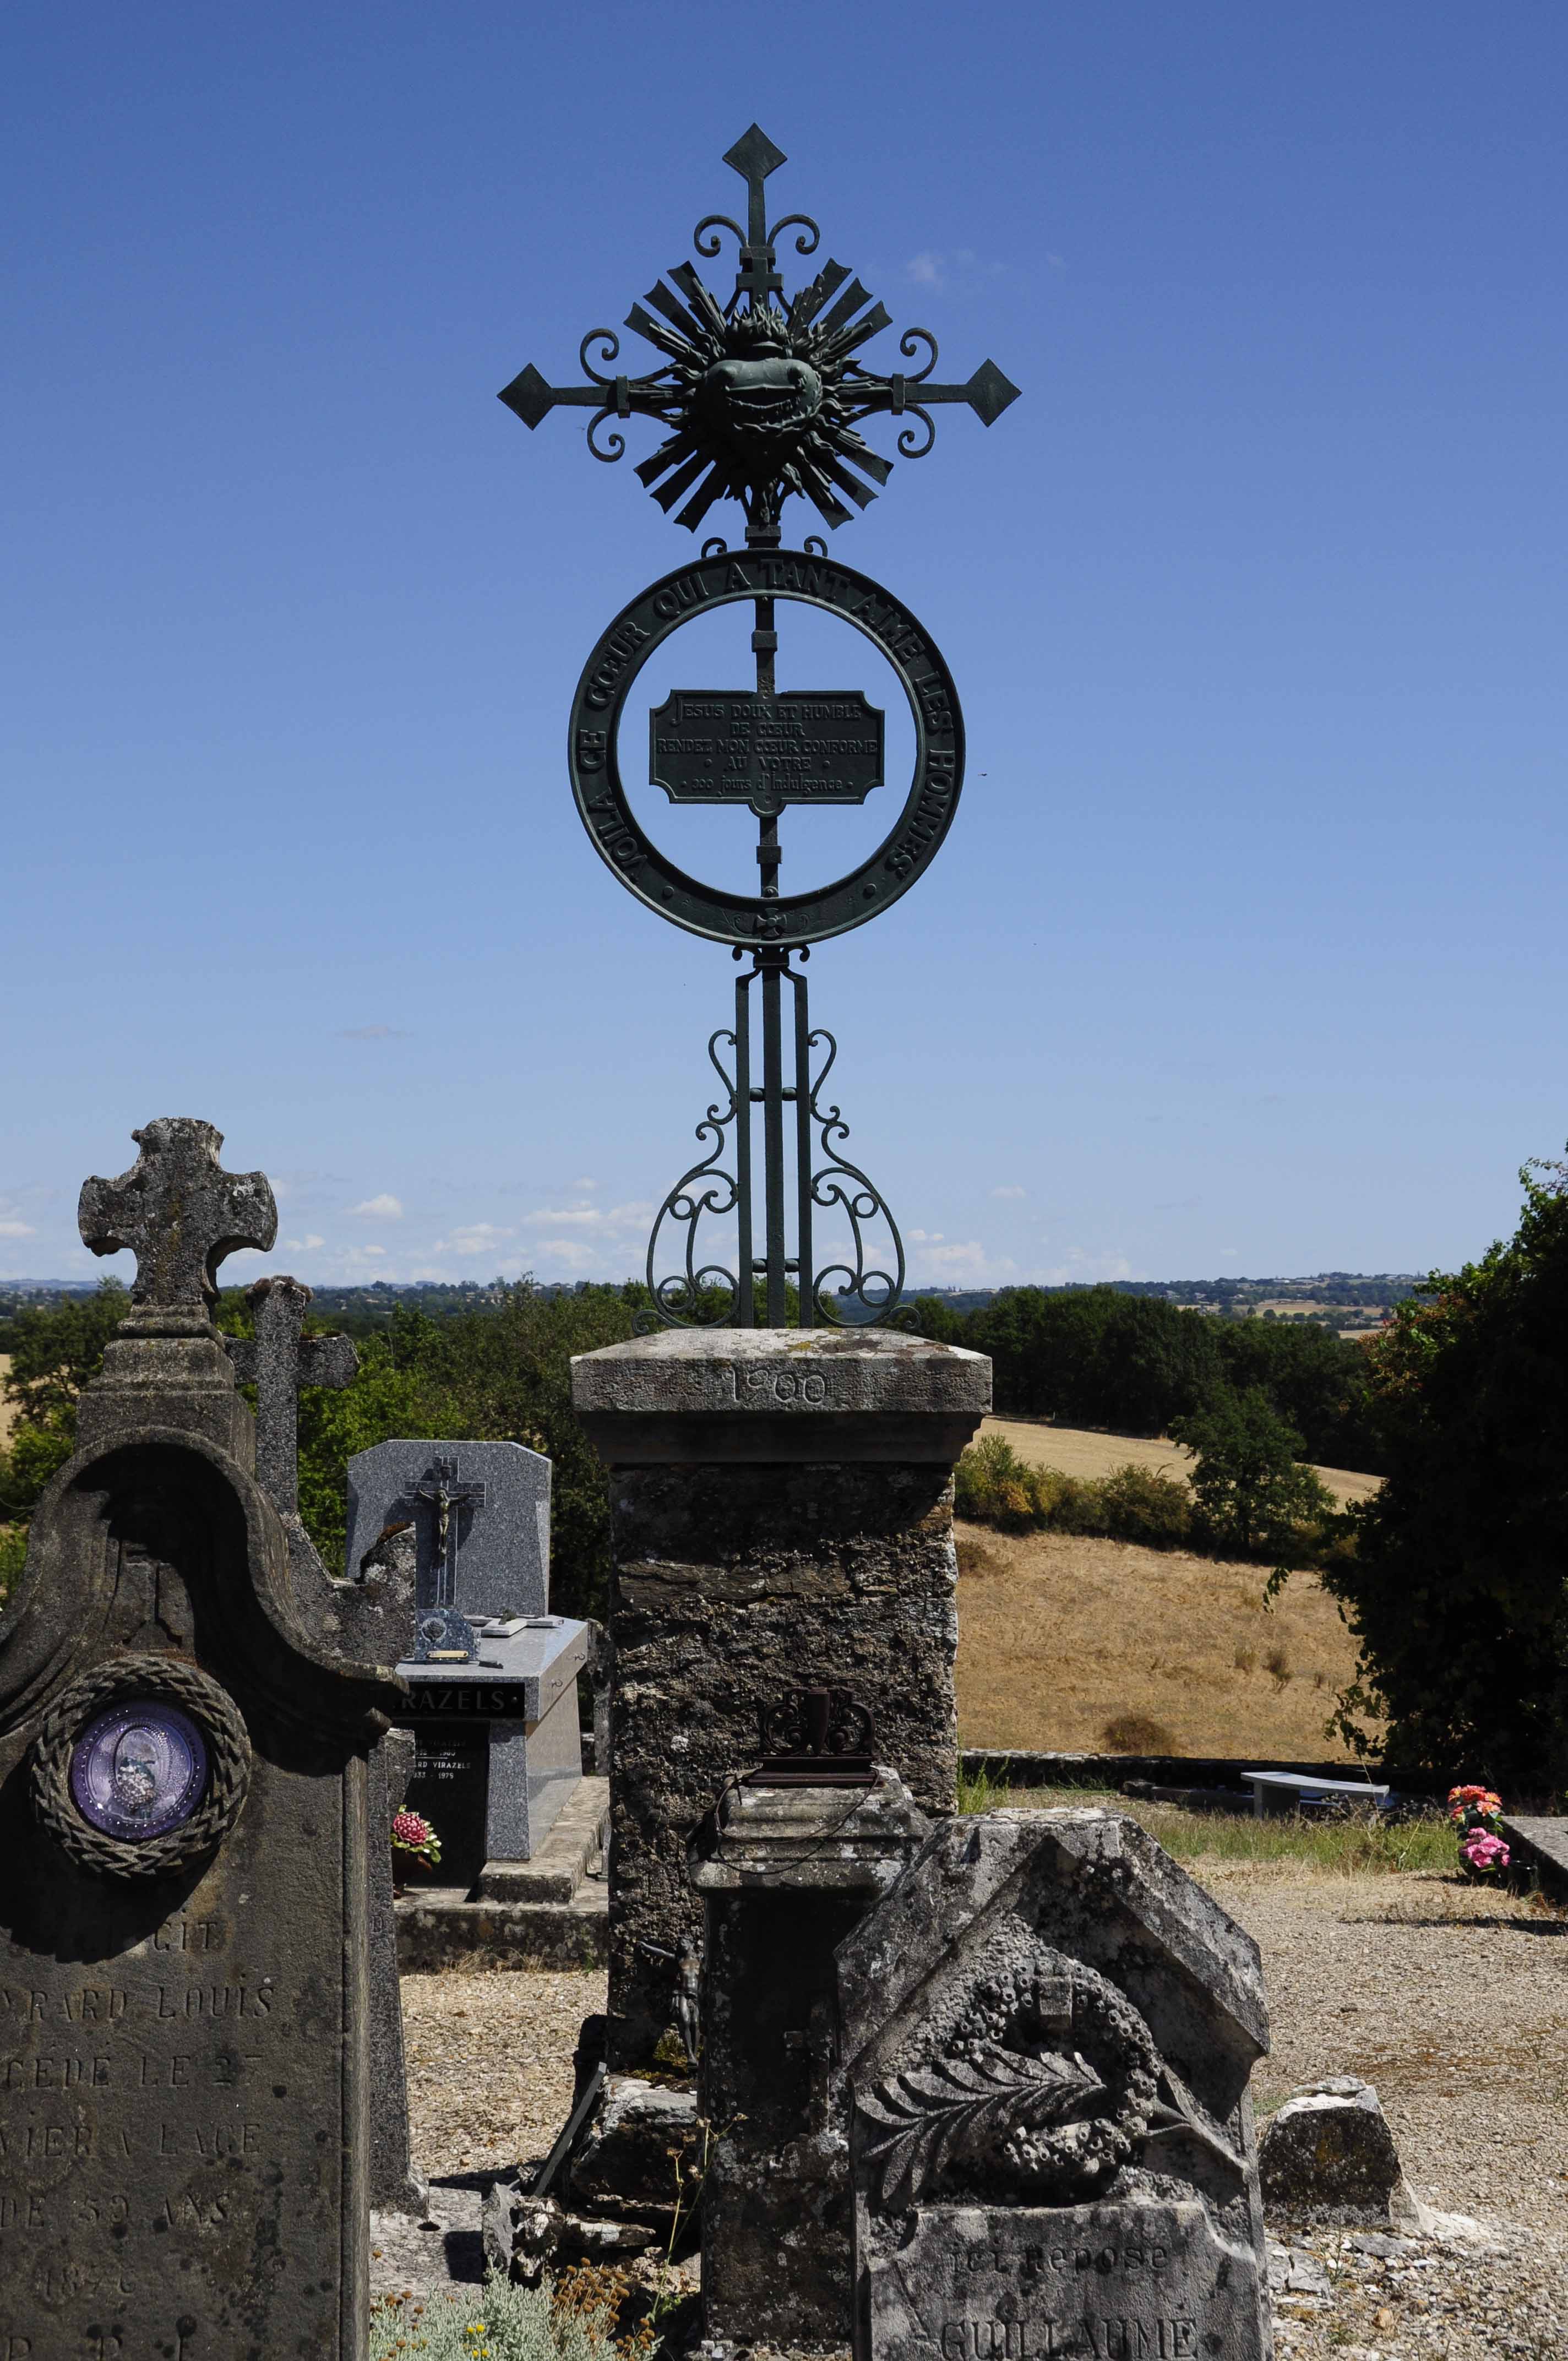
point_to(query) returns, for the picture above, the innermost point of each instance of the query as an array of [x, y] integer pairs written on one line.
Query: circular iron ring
[[749, 918]]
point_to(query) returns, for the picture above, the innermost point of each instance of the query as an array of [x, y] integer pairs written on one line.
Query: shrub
[[1140, 1505], [572, 2319], [1136, 1733]]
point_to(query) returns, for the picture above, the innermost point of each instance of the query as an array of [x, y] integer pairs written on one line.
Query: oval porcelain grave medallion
[[139, 1769]]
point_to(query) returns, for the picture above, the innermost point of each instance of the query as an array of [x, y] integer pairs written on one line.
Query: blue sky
[[1246, 952]]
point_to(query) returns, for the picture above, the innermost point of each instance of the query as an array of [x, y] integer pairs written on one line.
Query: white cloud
[[588, 1217], [1081, 1268], [1010, 1189], [584, 1184], [16, 1230], [307, 1242], [571, 1251], [383, 1208], [368, 1250], [924, 1238], [967, 1259], [471, 1238], [927, 270]]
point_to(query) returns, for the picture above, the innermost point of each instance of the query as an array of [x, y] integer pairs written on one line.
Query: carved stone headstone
[[184, 2018], [1047, 2030], [360, 1620]]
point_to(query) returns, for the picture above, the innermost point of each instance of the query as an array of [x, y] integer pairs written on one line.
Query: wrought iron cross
[[447, 1497], [179, 1213], [281, 1361], [765, 393]]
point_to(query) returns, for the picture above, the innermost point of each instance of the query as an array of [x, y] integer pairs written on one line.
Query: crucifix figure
[[447, 1497], [280, 1361]]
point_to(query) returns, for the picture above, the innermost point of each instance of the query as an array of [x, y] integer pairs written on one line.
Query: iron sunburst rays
[[760, 400], [763, 396]]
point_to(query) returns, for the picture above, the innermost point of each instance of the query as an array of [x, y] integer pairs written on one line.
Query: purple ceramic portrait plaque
[[139, 1769]]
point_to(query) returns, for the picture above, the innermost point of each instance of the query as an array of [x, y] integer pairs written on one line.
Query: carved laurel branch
[[959, 2107], [165, 1678]]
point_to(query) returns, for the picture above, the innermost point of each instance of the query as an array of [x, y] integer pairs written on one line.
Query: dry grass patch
[[1084, 1451], [1063, 1636], [7, 1407]]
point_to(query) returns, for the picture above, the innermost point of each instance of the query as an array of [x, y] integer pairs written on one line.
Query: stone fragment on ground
[[1328, 2155]]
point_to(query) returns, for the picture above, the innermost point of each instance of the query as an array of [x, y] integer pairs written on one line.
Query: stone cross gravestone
[[492, 1678], [1047, 2029], [183, 1815]]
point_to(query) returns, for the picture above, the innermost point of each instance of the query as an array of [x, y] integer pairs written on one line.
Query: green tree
[[1253, 1494], [1095, 1356], [54, 1350], [1316, 1380], [1456, 1586]]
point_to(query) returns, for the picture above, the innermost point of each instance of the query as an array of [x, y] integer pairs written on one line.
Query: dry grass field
[[5, 1411], [1086, 1451], [1063, 1637]]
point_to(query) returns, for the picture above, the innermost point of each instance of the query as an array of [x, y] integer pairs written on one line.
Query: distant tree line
[[1101, 1357]]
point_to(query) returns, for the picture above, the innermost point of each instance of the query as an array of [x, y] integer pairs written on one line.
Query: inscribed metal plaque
[[737, 746]]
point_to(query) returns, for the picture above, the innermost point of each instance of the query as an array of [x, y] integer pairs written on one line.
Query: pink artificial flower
[[411, 1829]]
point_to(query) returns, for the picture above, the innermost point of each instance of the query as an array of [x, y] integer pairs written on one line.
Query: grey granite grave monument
[[185, 2053], [492, 1675], [1047, 2030]]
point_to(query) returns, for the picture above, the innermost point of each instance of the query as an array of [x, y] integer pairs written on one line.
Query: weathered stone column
[[782, 1507]]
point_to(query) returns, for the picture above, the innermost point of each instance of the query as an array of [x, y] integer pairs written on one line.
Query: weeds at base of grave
[[595, 2313]]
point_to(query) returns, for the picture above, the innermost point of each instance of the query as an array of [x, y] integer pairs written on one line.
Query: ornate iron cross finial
[[764, 395], [280, 1361], [179, 1213]]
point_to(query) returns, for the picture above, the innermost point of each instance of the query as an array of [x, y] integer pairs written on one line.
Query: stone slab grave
[[492, 1675], [1047, 2029], [183, 1812]]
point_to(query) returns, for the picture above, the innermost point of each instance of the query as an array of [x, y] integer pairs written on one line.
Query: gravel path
[[489, 2064]]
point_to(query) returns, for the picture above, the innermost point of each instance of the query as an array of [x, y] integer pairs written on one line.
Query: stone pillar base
[[781, 1518]]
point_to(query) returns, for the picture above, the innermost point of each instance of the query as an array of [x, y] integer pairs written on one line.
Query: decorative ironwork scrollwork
[[809, 239], [842, 1187], [705, 1189], [759, 393], [611, 343]]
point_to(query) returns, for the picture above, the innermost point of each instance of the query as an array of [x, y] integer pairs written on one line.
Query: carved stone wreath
[[1039, 2092], [161, 1680]]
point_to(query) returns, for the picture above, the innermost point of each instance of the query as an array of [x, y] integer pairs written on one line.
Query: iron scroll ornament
[[786, 920]]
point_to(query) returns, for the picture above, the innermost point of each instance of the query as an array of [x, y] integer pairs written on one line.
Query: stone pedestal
[[782, 1517], [785, 1873]]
